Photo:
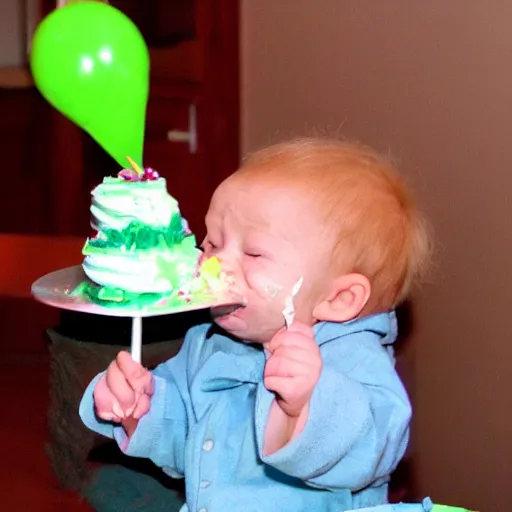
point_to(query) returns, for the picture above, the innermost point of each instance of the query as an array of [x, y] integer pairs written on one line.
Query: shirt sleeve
[[161, 433], [358, 425]]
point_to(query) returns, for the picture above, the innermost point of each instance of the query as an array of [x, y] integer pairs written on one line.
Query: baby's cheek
[[265, 285]]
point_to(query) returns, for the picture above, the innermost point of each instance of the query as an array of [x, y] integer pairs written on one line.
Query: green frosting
[[138, 236], [115, 297]]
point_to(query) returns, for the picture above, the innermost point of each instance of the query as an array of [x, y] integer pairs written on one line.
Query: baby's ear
[[345, 299]]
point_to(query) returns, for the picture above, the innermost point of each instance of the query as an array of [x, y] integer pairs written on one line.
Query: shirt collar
[[382, 324], [225, 370]]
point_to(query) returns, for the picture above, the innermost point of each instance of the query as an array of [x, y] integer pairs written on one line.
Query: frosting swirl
[[116, 203], [142, 245]]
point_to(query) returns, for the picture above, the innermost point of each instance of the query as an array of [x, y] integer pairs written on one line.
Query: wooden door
[[192, 126], [192, 117]]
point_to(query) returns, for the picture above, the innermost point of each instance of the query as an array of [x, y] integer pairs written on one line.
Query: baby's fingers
[[138, 377], [120, 388], [142, 406], [105, 403]]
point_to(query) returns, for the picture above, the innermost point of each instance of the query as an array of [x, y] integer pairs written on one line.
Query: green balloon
[[91, 63]]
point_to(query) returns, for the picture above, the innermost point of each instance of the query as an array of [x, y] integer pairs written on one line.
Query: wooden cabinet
[[192, 127]]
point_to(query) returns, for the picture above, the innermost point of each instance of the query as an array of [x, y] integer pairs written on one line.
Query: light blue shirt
[[210, 409]]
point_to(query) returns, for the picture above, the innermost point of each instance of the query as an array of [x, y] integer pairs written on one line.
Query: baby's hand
[[293, 368], [124, 392]]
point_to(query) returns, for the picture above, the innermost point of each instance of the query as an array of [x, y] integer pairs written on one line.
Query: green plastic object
[[446, 508], [91, 63]]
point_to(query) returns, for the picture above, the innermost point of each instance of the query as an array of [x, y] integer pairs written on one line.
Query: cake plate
[[58, 289]]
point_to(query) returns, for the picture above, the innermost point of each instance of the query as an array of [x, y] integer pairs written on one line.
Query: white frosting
[[126, 272], [134, 273], [116, 203]]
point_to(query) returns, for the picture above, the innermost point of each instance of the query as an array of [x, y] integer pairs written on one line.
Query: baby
[[258, 416]]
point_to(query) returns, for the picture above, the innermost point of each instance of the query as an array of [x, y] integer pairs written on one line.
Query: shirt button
[[207, 447], [204, 484], [202, 510]]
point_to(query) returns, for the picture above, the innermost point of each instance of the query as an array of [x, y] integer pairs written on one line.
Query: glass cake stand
[[58, 289]]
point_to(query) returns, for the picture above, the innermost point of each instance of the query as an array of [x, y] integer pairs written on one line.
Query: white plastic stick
[[289, 307], [136, 338]]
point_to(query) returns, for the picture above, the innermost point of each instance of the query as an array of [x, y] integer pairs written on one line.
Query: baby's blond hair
[[379, 230]]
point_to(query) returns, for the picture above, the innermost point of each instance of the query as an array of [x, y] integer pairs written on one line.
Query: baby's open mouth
[[219, 311]]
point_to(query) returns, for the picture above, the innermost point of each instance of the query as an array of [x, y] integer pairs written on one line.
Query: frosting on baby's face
[[266, 239]]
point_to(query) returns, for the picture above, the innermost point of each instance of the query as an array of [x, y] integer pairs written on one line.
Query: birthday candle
[[135, 167]]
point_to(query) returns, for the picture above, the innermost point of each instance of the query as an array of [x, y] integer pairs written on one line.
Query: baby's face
[[266, 238]]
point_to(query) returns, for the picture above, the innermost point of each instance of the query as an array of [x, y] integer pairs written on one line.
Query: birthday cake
[[142, 250]]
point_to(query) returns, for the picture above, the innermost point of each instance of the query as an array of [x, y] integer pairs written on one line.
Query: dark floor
[[26, 481]]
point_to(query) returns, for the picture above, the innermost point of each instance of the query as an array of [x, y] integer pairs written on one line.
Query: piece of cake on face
[[142, 244]]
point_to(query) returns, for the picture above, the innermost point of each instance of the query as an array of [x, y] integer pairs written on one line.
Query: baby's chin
[[230, 323], [230, 320]]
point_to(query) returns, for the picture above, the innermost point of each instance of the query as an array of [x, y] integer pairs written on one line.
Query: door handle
[[189, 136]]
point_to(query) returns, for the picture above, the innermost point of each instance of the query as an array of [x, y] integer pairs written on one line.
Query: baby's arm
[[358, 419], [291, 372], [159, 434]]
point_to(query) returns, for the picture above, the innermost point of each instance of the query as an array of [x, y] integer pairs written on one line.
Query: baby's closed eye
[[253, 254]]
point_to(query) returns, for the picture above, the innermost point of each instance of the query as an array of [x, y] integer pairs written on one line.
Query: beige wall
[[11, 34], [432, 81], [18, 19]]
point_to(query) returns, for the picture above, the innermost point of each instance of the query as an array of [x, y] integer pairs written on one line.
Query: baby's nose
[[215, 266], [226, 260], [215, 272]]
